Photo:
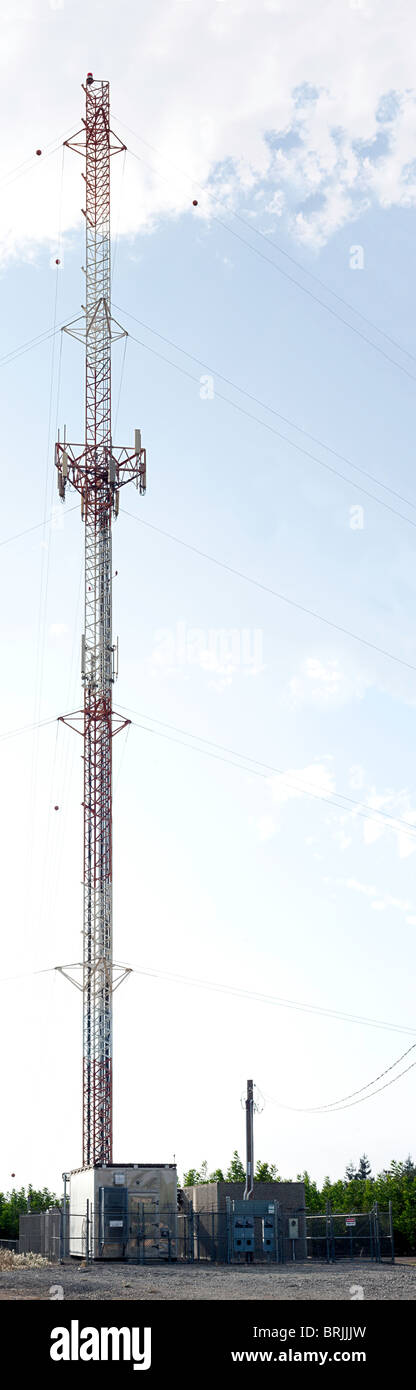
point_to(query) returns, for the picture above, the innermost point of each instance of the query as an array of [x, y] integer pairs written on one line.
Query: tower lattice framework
[[97, 470]]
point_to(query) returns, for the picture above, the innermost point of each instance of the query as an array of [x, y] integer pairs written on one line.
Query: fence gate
[[360, 1235]]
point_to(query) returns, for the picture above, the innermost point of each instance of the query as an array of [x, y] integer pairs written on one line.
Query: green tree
[[236, 1171], [14, 1204], [362, 1173], [266, 1172], [191, 1178]]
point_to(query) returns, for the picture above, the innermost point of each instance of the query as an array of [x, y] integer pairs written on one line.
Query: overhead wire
[[67, 764], [31, 343], [290, 779], [271, 410], [274, 593], [38, 526], [27, 728], [326, 1110], [41, 624], [33, 160], [47, 858], [270, 241], [45, 559], [271, 999], [38, 724], [360, 1090], [300, 449], [279, 269], [306, 453], [361, 808], [122, 369], [257, 996]]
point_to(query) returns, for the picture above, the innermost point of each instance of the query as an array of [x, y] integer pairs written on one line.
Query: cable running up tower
[[97, 470]]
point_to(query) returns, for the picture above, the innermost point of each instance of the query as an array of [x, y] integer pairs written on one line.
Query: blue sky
[[222, 873]]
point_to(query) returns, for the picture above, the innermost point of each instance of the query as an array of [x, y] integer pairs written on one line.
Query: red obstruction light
[[38, 151], [57, 262], [195, 203], [56, 808], [89, 78]]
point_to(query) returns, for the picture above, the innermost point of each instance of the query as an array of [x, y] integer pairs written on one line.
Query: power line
[[319, 1109], [370, 1083], [37, 527], [26, 165], [291, 779], [392, 822], [270, 241], [352, 1102], [44, 337], [274, 593], [27, 728], [279, 269], [271, 409], [31, 343], [274, 1000], [329, 468], [240, 993]]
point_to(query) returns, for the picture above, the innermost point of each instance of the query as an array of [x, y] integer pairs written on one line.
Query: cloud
[[378, 899], [297, 116], [266, 828], [326, 683], [315, 778], [318, 779], [398, 805], [222, 653]]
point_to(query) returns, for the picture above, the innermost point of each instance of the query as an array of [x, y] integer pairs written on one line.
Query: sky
[[264, 794]]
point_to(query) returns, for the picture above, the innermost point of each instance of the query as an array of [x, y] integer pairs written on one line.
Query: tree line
[[18, 1202], [357, 1191]]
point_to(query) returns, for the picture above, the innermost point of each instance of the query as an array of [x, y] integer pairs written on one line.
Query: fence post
[[276, 1230], [377, 1233], [191, 1235], [391, 1230], [327, 1230], [371, 1236], [331, 1227], [87, 1233], [228, 1217]]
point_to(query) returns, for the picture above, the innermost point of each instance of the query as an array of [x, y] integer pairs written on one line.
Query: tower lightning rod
[[97, 470]]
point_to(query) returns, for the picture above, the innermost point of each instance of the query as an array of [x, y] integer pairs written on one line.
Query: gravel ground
[[176, 1282]]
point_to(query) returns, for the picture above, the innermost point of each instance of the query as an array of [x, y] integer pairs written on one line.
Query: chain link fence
[[362, 1235], [246, 1233]]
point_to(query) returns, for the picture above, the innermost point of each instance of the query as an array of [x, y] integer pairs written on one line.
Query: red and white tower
[[98, 470]]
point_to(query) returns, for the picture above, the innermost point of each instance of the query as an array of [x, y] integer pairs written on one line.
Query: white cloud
[[356, 777], [298, 782], [314, 110], [325, 683], [344, 840], [379, 900], [398, 806], [266, 828]]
